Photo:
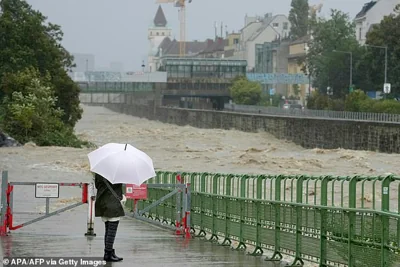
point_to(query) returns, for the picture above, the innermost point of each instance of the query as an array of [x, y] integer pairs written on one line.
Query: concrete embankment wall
[[307, 132]]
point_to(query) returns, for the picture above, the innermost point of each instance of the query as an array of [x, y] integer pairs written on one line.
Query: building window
[[285, 25], [151, 33], [236, 40], [359, 33], [158, 33], [162, 33], [275, 25]]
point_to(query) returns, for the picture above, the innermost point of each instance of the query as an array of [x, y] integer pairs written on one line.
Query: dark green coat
[[107, 205]]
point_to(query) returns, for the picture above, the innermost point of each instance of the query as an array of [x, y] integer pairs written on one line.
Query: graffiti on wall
[[278, 78]]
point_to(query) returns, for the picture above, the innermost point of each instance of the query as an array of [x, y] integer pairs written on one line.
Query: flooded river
[[175, 148]]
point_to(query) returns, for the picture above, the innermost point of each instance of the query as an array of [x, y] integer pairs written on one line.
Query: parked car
[[293, 106]]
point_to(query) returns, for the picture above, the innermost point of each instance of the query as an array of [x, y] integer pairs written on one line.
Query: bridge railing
[[346, 115], [116, 87], [122, 87], [328, 220]]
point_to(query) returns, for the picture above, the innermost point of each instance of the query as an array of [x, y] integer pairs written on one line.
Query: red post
[[8, 222], [3, 229], [4, 225], [184, 222], [85, 191], [9, 218], [9, 211], [178, 228], [185, 226]]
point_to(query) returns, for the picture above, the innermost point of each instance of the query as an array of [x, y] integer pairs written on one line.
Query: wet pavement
[[140, 243]]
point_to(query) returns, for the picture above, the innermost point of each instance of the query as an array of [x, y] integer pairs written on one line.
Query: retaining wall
[[307, 132]]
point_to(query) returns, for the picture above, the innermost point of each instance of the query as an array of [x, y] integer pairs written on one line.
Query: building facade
[[157, 33], [371, 14], [259, 30], [200, 74], [203, 69], [215, 48], [232, 44], [297, 53], [272, 57]]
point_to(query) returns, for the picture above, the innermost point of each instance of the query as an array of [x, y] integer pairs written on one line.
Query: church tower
[[156, 34]]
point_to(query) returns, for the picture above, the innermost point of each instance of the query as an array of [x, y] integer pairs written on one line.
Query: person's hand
[[123, 201]]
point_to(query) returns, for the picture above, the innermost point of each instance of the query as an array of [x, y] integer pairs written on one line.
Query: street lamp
[[386, 55], [143, 66], [351, 65]]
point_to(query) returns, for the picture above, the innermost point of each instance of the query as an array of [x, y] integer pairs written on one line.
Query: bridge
[[185, 87], [114, 92], [180, 89], [167, 93], [328, 220], [212, 90]]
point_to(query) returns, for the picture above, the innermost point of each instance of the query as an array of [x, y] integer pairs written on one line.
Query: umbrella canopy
[[121, 164]]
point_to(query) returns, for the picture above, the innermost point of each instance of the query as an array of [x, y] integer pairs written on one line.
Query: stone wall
[[307, 132]]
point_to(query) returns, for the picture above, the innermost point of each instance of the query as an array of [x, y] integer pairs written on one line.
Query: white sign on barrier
[[47, 191]]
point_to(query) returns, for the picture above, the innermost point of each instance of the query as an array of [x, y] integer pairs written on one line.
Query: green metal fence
[[332, 221]]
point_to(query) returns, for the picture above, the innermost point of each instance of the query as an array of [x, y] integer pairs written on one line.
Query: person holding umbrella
[[116, 164], [108, 206]]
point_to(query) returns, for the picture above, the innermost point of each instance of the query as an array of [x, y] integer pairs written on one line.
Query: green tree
[[296, 90], [357, 101], [32, 114], [245, 92], [329, 66], [386, 106], [317, 101], [298, 17], [387, 33], [27, 40]]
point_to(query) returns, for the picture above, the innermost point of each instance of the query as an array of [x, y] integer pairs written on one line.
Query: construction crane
[[315, 8], [181, 4]]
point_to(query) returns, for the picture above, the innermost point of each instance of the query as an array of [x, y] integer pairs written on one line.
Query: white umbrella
[[121, 164]]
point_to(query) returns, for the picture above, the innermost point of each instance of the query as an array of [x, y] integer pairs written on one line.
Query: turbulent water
[[176, 148]]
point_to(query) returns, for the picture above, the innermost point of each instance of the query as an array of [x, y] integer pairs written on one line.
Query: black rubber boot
[[115, 256], [109, 256]]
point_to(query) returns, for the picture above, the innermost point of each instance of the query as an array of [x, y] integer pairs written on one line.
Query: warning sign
[[136, 192], [47, 191]]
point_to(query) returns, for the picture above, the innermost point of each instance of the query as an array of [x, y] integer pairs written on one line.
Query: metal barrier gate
[[142, 208], [174, 215], [177, 219], [45, 191]]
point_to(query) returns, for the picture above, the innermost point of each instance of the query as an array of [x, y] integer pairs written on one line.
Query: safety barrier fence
[[116, 87], [44, 191], [332, 221], [313, 113]]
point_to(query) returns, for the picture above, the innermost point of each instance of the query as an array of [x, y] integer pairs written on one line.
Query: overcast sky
[[116, 30]]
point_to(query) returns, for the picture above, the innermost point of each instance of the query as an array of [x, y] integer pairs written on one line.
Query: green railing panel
[[353, 221], [267, 236], [234, 230]]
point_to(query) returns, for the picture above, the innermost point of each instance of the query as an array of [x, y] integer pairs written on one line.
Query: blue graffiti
[[278, 78]]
